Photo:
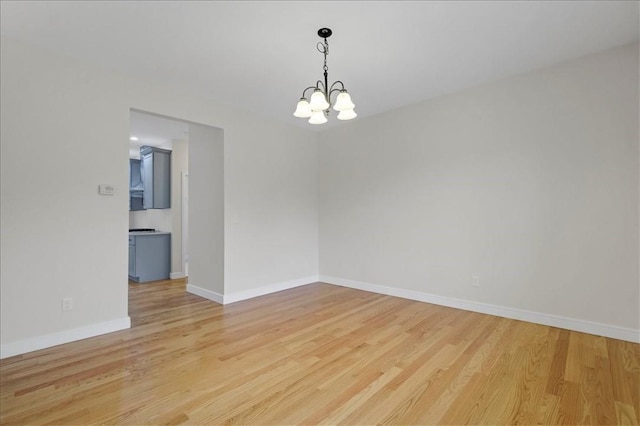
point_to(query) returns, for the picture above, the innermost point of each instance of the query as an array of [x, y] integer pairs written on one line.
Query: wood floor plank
[[477, 351], [321, 354]]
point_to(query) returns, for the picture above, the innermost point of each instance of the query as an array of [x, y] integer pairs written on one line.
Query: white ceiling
[[260, 55], [153, 130]]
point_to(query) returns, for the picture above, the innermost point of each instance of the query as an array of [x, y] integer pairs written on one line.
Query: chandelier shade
[[343, 102], [347, 114], [318, 117], [303, 109], [317, 107], [318, 101]]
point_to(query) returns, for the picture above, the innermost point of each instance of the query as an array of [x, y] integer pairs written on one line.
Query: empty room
[[337, 212]]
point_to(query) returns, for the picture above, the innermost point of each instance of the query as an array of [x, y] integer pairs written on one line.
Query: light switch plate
[[104, 189]]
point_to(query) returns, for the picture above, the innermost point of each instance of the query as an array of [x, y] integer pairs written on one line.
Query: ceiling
[[260, 55], [153, 130]]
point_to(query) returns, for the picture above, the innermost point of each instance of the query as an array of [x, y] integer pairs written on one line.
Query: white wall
[[179, 164], [60, 138], [530, 183], [65, 129], [206, 211], [271, 205]]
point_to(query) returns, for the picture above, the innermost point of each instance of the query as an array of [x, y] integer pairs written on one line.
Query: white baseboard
[[599, 329], [268, 289], [249, 294], [61, 337], [207, 294], [176, 275]]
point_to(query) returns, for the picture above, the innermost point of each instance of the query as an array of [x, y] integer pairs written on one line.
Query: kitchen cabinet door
[[156, 178]]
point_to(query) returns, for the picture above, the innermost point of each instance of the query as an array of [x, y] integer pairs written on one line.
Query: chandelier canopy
[[317, 108]]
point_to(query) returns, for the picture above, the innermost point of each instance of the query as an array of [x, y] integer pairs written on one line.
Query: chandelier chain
[[326, 52], [324, 49]]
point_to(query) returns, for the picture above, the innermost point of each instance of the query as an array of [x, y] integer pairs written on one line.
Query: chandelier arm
[[321, 85], [331, 94], [331, 89], [305, 90]]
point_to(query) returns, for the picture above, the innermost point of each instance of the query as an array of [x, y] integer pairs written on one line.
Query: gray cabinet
[[156, 177], [132, 258], [149, 256], [135, 185]]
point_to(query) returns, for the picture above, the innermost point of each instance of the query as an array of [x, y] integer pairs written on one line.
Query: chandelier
[[317, 108]]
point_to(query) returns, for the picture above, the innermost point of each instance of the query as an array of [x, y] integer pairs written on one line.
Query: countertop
[[142, 233]]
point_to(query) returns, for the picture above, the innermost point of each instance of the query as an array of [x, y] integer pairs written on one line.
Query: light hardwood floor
[[321, 354]]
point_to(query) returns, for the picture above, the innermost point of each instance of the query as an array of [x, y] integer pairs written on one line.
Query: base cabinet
[[149, 257]]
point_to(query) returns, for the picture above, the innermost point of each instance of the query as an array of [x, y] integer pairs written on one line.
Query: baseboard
[[268, 289], [176, 275], [225, 299], [207, 294], [599, 329], [61, 337]]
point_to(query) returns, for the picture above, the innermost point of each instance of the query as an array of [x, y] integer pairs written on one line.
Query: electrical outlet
[[67, 304], [475, 281]]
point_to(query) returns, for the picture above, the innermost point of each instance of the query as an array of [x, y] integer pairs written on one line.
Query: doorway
[[171, 138], [197, 201]]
